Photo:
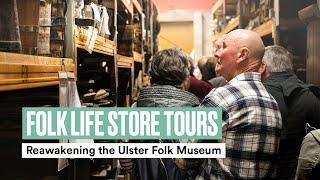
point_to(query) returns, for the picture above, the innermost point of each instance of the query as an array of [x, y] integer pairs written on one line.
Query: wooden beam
[[123, 65], [102, 45], [217, 6], [27, 80], [124, 59], [137, 57], [310, 13], [265, 28], [20, 68], [13, 58], [27, 85], [137, 6], [19, 71]]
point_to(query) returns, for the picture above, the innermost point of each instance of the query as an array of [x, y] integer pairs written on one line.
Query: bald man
[[250, 115]]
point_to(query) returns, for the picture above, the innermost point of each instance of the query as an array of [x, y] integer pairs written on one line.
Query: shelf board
[[217, 6], [137, 6], [27, 85], [128, 6], [20, 71], [265, 28], [124, 61], [102, 45], [137, 57], [233, 24]]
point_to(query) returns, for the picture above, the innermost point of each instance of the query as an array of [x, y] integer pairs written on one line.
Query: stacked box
[[58, 23], [129, 39], [43, 42]]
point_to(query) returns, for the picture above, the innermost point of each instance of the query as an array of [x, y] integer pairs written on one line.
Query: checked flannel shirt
[[251, 129]]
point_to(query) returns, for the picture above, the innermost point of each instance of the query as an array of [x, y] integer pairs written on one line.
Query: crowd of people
[[265, 109]]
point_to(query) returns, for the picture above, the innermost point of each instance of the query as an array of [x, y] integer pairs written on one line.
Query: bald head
[[249, 39], [237, 52]]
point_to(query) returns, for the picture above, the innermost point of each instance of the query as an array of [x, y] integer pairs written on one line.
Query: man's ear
[[243, 54], [262, 68], [263, 71]]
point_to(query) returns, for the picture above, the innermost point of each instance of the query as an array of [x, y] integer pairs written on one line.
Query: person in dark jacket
[[169, 73], [299, 104], [197, 87]]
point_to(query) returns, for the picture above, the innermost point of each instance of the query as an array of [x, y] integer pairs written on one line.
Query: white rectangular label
[[123, 150]]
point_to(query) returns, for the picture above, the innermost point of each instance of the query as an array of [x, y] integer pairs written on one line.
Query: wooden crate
[[129, 39]]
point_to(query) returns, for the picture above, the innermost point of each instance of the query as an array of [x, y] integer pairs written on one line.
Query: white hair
[[277, 59]]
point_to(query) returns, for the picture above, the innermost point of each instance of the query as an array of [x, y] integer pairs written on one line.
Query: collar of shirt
[[247, 76]]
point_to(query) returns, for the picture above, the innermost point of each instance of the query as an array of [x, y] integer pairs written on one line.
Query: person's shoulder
[[222, 89]]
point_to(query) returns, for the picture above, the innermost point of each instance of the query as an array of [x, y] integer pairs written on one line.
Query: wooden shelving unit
[[233, 24], [124, 61], [274, 21], [102, 45], [266, 28], [241, 12], [137, 57], [19, 71]]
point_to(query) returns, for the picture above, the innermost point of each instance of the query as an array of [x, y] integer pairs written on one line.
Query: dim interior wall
[[176, 34], [202, 34]]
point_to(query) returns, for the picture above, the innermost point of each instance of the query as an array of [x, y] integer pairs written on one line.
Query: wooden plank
[[217, 6], [29, 75], [82, 34], [27, 85], [20, 68], [102, 45], [28, 80], [19, 71], [265, 28], [98, 49], [97, 46], [309, 13], [124, 59], [13, 58], [137, 6], [137, 57], [233, 24], [123, 65]]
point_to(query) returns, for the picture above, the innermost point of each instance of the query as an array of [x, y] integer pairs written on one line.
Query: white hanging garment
[[69, 97], [104, 25], [96, 12]]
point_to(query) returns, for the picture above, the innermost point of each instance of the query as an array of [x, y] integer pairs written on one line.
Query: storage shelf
[[265, 28], [102, 45], [137, 57], [19, 71], [233, 24], [124, 61]]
